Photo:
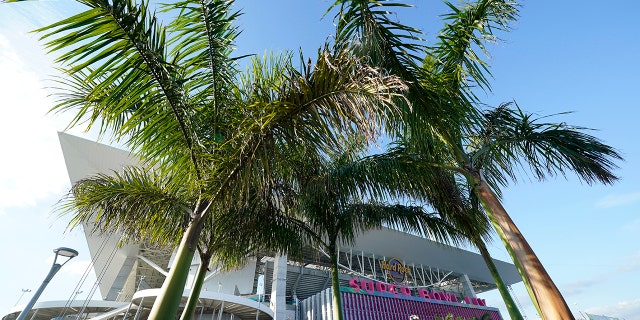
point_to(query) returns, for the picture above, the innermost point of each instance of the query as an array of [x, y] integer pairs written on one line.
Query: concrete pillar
[[467, 288], [278, 302]]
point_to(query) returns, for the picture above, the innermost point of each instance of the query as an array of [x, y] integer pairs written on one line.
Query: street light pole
[[60, 252], [22, 294]]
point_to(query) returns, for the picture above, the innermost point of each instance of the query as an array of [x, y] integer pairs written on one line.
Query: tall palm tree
[[447, 80], [435, 96], [476, 226], [510, 138], [174, 96], [507, 139]]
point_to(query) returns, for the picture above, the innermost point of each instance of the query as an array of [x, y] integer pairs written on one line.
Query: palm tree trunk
[[550, 302], [190, 307], [335, 283], [505, 243], [168, 301], [512, 308]]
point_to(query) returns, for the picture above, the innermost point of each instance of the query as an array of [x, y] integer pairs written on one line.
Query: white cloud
[[74, 267], [628, 310], [618, 200], [581, 286], [78, 268], [32, 164], [631, 263]]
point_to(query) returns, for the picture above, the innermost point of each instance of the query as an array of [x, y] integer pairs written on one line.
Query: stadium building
[[386, 274]]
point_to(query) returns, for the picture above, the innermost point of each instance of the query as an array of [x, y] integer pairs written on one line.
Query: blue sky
[[578, 56]]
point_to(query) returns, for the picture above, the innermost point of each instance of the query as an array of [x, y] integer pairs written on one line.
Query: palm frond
[[456, 55], [119, 49], [371, 28], [203, 40], [141, 205], [340, 98], [393, 174], [406, 175], [513, 138], [261, 222], [367, 26], [339, 197], [415, 219]]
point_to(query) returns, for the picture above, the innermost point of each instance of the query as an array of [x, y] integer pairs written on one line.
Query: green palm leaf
[[389, 43], [143, 206], [456, 55], [203, 40], [120, 51], [511, 138], [340, 97]]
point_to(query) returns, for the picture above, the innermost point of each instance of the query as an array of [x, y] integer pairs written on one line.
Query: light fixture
[[61, 252], [65, 252]]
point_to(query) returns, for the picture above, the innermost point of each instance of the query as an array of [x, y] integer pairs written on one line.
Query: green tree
[[456, 203], [445, 112], [230, 236], [438, 110], [174, 96], [339, 197], [508, 139], [146, 207], [476, 227]]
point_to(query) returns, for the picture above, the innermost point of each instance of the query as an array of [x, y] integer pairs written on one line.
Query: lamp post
[[22, 294], [62, 252]]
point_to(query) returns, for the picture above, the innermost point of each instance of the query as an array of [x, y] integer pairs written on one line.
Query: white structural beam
[[278, 302], [153, 265], [467, 288]]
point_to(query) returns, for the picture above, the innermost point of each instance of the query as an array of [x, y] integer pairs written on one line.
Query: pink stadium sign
[[365, 299]]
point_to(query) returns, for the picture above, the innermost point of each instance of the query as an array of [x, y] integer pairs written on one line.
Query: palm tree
[[436, 100], [329, 199], [456, 203], [508, 139], [127, 201], [231, 235], [174, 96], [446, 81], [476, 227]]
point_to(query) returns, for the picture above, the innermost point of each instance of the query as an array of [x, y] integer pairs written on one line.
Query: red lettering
[[476, 301], [391, 288], [372, 286], [424, 293], [354, 284], [368, 286]]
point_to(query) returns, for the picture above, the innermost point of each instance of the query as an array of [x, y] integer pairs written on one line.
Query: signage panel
[[367, 303]]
